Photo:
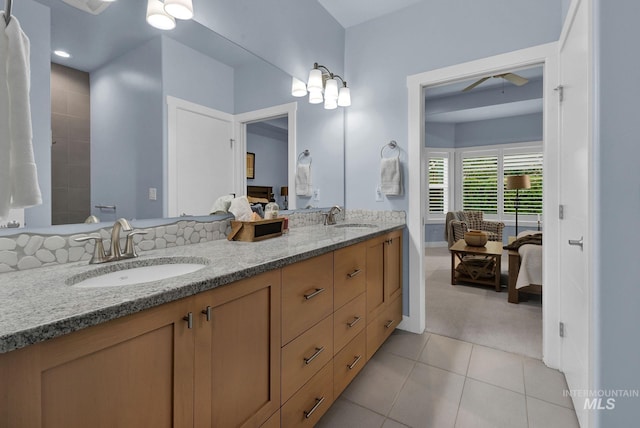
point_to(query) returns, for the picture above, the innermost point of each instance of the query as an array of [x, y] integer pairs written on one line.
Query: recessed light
[[62, 54]]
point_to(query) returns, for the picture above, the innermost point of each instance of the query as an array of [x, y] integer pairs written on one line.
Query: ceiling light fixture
[[163, 15], [62, 54], [323, 81]]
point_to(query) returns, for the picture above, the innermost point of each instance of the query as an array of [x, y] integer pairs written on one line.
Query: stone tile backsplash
[[29, 251]]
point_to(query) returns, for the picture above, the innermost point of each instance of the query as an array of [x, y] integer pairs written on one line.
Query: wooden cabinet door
[[393, 266], [237, 360], [133, 371], [375, 278]]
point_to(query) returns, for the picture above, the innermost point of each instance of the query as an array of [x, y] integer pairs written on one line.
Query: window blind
[[438, 197], [480, 184], [530, 199]]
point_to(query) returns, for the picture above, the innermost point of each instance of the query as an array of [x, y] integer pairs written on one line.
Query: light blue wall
[[189, 75], [319, 130], [380, 54], [617, 199], [440, 135], [126, 131], [515, 129], [35, 21], [271, 150], [291, 34]]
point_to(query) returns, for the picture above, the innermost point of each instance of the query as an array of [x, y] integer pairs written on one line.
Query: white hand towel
[[5, 139], [241, 209], [25, 191], [303, 180], [390, 176]]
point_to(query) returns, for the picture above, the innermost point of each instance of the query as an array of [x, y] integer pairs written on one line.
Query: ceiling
[[353, 12]]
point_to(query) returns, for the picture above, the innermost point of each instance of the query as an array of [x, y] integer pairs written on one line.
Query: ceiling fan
[[511, 77]]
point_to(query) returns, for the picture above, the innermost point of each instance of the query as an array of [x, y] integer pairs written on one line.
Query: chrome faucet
[[115, 252], [330, 217], [121, 224]]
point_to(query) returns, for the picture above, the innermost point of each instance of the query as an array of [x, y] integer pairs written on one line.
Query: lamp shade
[[180, 9], [331, 89], [315, 96], [330, 103], [315, 80], [515, 182], [298, 88], [157, 17], [284, 191], [344, 97]]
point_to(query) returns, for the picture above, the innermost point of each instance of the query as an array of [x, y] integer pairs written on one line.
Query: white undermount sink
[[137, 272]]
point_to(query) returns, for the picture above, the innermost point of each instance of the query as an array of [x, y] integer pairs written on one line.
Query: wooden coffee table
[[477, 265]]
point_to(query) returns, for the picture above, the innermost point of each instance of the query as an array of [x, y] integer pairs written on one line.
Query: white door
[[201, 158], [575, 181]]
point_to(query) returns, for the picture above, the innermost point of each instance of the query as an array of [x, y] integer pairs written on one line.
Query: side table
[[477, 265]]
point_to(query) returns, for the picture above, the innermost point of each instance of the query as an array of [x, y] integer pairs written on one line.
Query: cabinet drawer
[[307, 295], [349, 276], [273, 422], [348, 363], [312, 401], [348, 321], [303, 357], [383, 325]]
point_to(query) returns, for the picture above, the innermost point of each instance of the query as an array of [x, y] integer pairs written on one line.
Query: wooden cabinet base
[[383, 325]]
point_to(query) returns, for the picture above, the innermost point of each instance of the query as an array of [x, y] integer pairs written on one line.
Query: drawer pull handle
[[352, 365], [314, 294], [354, 322], [189, 319], [314, 356], [354, 273], [319, 401], [389, 324], [207, 313]]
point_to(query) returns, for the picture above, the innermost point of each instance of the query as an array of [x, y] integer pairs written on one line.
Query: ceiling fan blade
[[473, 85], [514, 78]]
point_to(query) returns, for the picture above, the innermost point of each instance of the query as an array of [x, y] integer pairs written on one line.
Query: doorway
[[546, 56]]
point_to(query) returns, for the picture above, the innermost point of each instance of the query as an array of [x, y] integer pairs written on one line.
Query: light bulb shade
[[515, 182], [315, 97], [344, 97], [315, 80], [331, 89], [180, 9], [157, 17], [330, 103], [298, 88]]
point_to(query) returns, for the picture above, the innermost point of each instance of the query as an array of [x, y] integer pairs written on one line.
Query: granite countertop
[[38, 304]]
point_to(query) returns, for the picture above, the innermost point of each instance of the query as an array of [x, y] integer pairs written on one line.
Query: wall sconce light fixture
[[323, 86], [163, 15]]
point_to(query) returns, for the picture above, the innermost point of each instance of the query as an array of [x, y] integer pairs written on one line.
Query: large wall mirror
[[110, 114]]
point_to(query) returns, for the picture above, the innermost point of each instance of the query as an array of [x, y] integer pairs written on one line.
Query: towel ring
[[304, 155], [392, 145]]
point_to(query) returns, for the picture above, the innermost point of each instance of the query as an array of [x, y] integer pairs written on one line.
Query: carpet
[[479, 314]]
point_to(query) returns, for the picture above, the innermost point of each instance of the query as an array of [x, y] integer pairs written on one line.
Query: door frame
[[241, 122], [547, 56], [170, 177]]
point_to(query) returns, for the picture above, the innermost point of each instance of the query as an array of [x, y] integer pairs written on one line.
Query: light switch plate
[[153, 193], [316, 195], [378, 194]]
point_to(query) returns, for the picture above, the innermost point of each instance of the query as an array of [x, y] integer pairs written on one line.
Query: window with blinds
[[438, 170], [530, 199], [480, 183]]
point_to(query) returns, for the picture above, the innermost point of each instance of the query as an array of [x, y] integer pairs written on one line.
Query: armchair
[[458, 222]]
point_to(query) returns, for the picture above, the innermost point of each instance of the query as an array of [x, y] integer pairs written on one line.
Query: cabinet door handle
[[189, 319], [352, 365], [354, 273], [314, 356], [307, 414], [389, 324], [207, 313], [354, 322], [314, 294]]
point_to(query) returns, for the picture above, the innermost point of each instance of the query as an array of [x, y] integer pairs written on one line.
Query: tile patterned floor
[[429, 380]]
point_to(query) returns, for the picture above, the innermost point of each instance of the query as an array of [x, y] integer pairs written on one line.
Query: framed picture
[[251, 165]]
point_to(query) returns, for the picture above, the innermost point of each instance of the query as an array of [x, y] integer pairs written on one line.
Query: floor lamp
[[517, 182]]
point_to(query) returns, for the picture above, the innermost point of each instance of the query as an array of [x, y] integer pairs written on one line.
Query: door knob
[[577, 242]]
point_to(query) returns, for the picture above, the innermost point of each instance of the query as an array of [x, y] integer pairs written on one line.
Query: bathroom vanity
[[266, 334]]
